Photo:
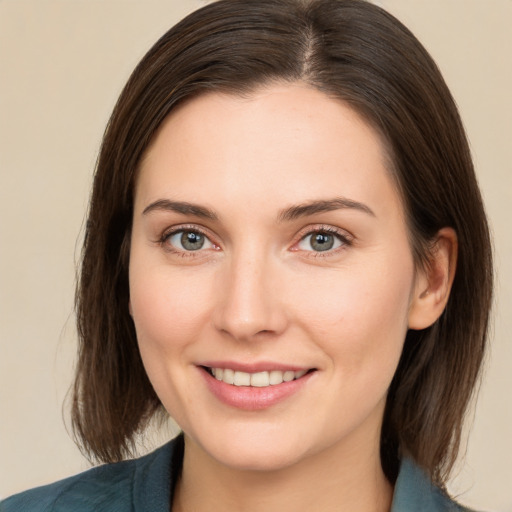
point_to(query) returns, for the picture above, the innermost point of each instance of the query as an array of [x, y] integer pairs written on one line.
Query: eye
[[321, 241], [188, 240]]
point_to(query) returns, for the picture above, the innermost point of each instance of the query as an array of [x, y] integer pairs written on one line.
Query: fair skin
[[268, 237]]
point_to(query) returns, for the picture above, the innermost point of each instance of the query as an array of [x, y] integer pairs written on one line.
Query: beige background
[[62, 65]]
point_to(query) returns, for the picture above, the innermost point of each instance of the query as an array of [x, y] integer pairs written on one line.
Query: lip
[[251, 398], [260, 366]]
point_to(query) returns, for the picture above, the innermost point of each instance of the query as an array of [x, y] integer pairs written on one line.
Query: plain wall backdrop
[[62, 66]]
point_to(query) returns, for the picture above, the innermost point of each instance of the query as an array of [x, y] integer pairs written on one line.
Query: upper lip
[[255, 367]]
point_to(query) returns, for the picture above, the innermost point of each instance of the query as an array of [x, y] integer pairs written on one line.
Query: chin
[[250, 450], [256, 458]]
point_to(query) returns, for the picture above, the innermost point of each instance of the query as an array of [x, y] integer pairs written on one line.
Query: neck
[[332, 480]]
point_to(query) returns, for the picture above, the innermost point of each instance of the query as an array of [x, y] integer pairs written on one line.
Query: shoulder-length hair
[[355, 52]]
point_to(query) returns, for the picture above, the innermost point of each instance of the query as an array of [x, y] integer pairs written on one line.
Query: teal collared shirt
[[145, 485], [415, 492]]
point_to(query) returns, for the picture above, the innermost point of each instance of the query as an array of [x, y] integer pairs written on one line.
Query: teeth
[[288, 376], [229, 376], [242, 379], [258, 380], [275, 377]]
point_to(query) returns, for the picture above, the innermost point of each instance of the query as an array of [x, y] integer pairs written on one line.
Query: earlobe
[[433, 284]]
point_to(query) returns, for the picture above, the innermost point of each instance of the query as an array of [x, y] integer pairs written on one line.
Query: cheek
[[169, 313], [359, 317], [168, 308]]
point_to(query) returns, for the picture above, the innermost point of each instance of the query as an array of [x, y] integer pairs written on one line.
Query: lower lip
[[253, 398]]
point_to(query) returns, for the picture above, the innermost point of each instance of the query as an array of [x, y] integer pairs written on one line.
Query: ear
[[433, 284]]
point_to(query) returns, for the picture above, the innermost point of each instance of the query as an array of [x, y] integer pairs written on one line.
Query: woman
[[287, 251]]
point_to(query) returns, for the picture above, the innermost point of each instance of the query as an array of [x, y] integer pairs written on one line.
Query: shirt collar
[[155, 479], [415, 491]]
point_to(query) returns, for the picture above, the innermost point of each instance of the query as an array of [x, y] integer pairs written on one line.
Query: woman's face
[[269, 244]]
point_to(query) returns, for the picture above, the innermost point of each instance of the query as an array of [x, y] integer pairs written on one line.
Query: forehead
[[283, 142]]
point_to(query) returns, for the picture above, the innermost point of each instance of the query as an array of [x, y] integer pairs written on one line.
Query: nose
[[248, 303]]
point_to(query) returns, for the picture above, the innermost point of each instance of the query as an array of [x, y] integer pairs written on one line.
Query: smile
[[258, 379], [257, 389]]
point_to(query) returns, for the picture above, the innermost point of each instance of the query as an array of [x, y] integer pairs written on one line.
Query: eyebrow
[[181, 207], [312, 207], [288, 214]]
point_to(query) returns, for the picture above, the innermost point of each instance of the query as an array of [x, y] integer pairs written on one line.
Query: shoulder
[[123, 486], [90, 490], [415, 491]]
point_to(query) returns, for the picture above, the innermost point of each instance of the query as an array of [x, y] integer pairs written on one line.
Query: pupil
[[192, 241], [322, 242]]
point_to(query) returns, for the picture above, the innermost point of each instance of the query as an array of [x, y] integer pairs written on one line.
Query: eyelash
[[343, 237], [166, 235]]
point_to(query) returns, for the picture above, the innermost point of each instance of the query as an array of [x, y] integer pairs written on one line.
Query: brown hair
[[353, 51]]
